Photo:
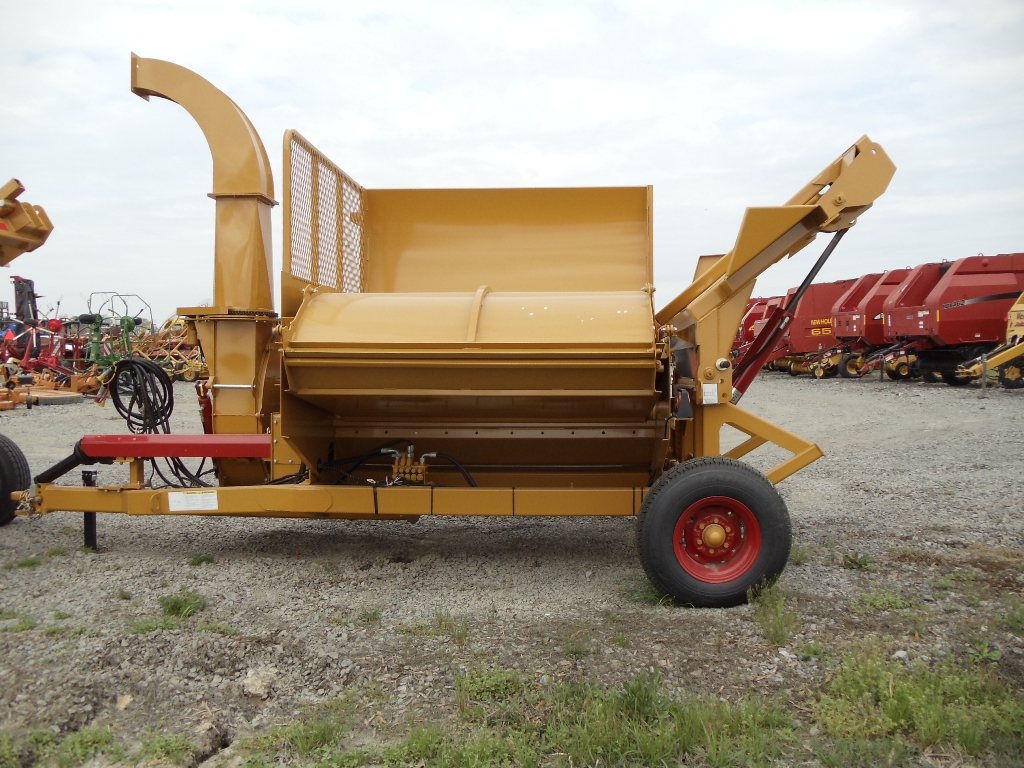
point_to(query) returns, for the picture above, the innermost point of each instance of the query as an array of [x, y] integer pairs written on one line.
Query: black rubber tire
[[930, 377], [14, 476], [848, 367], [899, 372], [953, 380], [832, 371], [1011, 375], [688, 483]]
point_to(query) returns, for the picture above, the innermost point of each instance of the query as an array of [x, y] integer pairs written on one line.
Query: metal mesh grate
[[323, 206]]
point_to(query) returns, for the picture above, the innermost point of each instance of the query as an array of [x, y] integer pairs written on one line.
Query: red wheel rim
[[717, 539]]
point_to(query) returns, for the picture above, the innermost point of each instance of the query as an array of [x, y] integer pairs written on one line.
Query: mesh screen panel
[[324, 242]]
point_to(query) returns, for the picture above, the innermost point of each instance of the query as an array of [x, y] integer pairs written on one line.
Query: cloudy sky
[[718, 105]]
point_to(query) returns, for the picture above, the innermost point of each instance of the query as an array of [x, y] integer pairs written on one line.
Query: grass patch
[[646, 593], [123, 594], [10, 755], [995, 559], [29, 562], [200, 559], [777, 622], [167, 746], [863, 753], [457, 627], [813, 649], [1013, 614], [576, 643], [879, 600], [578, 724], [61, 615], [24, 624], [318, 738], [82, 745], [857, 561], [217, 627], [494, 684], [874, 697], [916, 556], [184, 605], [154, 624], [799, 555], [370, 615], [56, 551], [619, 640]]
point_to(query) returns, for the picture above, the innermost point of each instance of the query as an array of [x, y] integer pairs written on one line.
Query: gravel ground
[[920, 483]]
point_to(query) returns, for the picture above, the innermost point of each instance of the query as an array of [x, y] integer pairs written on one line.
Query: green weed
[[576, 644], [24, 624], [200, 559], [153, 624], [1013, 614], [646, 593], [30, 562], [873, 697], [56, 551], [317, 738], [813, 649], [217, 627], [183, 605], [578, 724], [864, 753], [370, 615], [123, 594], [82, 745], [799, 555], [167, 746], [879, 600], [619, 640], [10, 755], [857, 561], [489, 684], [770, 612], [457, 628], [61, 615], [979, 650]]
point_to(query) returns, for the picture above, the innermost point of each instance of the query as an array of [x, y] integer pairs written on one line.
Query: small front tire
[[1011, 375], [720, 496]]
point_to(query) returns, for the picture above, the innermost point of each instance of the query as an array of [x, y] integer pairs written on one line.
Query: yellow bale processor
[[464, 352]]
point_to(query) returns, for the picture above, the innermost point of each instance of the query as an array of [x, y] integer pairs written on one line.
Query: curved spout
[[243, 183]]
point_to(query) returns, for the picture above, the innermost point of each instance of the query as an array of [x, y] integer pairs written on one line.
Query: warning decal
[[192, 501]]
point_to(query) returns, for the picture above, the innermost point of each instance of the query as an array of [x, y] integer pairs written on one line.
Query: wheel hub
[[714, 535], [717, 539], [711, 536]]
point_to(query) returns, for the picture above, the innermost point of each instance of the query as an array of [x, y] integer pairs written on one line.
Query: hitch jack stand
[[89, 518]]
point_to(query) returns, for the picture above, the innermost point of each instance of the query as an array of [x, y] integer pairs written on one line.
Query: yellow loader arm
[[23, 226]]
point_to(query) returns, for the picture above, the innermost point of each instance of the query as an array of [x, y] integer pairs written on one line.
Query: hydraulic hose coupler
[[62, 467]]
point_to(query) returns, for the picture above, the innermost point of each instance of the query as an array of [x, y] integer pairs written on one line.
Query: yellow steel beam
[[334, 501]]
